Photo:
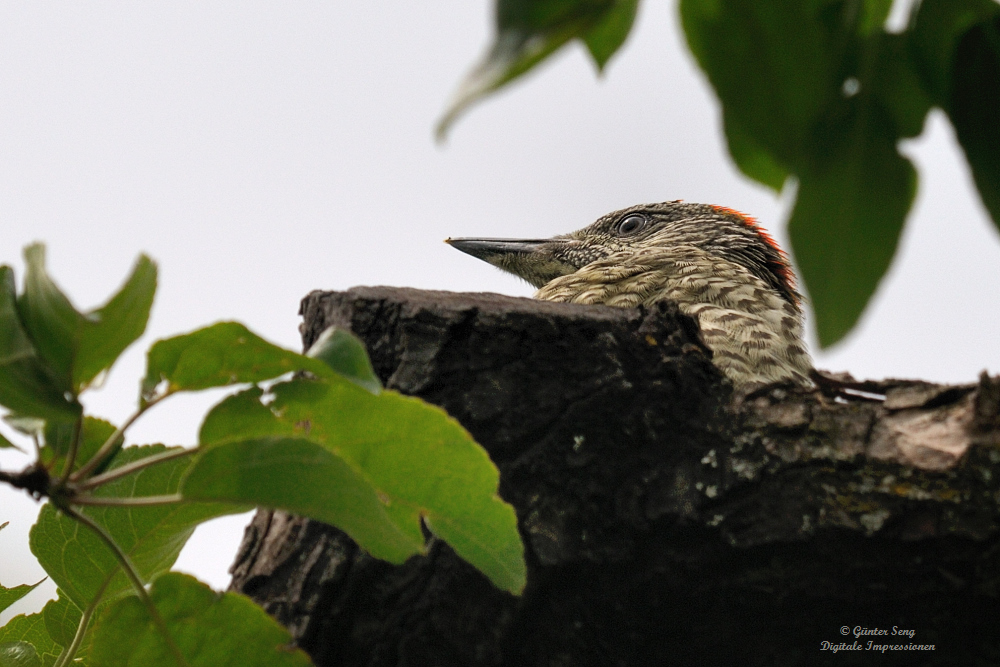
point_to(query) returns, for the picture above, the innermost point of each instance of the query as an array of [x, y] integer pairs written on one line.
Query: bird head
[[718, 231]]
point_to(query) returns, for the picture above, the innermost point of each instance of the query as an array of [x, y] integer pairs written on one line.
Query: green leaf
[[301, 477], [152, 536], [893, 80], [974, 106], [798, 51], [412, 454], [107, 331], [245, 409], [528, 31], [846, 223], [938, 27], [30, 628], [7, 444], [27, 387], [9, 596], [344, 352], [19, 654], [752, 158], [220, 355], [62, 618], [826, 99], [210, 629], [49, 318], [873, 15], [78, 347], [58, 436], [611, 31], [957, 48]]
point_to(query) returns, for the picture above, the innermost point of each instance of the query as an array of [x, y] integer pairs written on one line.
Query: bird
[[717, 264]]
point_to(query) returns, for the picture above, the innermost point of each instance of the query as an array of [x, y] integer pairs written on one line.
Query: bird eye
[[631, 224]]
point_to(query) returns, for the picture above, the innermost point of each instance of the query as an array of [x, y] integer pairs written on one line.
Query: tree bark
[[665, 521]]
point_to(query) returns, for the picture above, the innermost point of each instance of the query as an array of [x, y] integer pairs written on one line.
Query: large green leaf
[[938, 27], [974, 106], [957, 48], [302, 477], [847, 221], [27, 386], [49, 318], [220, 355], [152, 536], [528, 31], [752, 158], [776, 65], [412, 454], [107, 331], [210, 629], [892, 80], [49, 351], [818, 89]]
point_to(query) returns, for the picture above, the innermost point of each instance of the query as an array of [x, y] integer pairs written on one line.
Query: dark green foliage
[[329, 444], [817, 90], [208, 628], [974, 107], [528, 31]]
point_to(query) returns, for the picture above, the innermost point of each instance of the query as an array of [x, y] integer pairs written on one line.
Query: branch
[[142, 501], [34, 479], [136, 466]]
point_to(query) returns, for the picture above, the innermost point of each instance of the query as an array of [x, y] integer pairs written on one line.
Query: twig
[[74, 447], [130, 468], [68, 652], [141, 501], [110, 444], [34, 479]]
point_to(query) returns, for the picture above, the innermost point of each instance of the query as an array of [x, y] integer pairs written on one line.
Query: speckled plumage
[[716, 264]]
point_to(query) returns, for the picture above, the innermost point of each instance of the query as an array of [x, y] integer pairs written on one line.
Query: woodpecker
[[718, 265]]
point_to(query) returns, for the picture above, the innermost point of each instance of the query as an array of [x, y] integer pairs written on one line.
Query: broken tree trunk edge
[[664, 523]]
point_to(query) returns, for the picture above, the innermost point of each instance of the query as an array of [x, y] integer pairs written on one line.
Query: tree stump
[[664, 521]]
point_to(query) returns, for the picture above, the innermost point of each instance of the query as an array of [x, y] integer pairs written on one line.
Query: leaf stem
[[130, 571], [74, 447], [112, 441], [68, 652], [130, 468], [141, 501]]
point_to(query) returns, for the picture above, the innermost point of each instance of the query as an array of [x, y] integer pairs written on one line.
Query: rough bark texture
[[663, 523]]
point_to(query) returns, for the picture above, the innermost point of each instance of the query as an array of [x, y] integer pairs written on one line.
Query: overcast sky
[[260, 150]]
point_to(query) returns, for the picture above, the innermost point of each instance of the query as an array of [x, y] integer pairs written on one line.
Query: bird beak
[[489, 249], [535, 260]]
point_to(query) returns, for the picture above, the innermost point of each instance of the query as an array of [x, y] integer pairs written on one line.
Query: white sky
[[260, 150]]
